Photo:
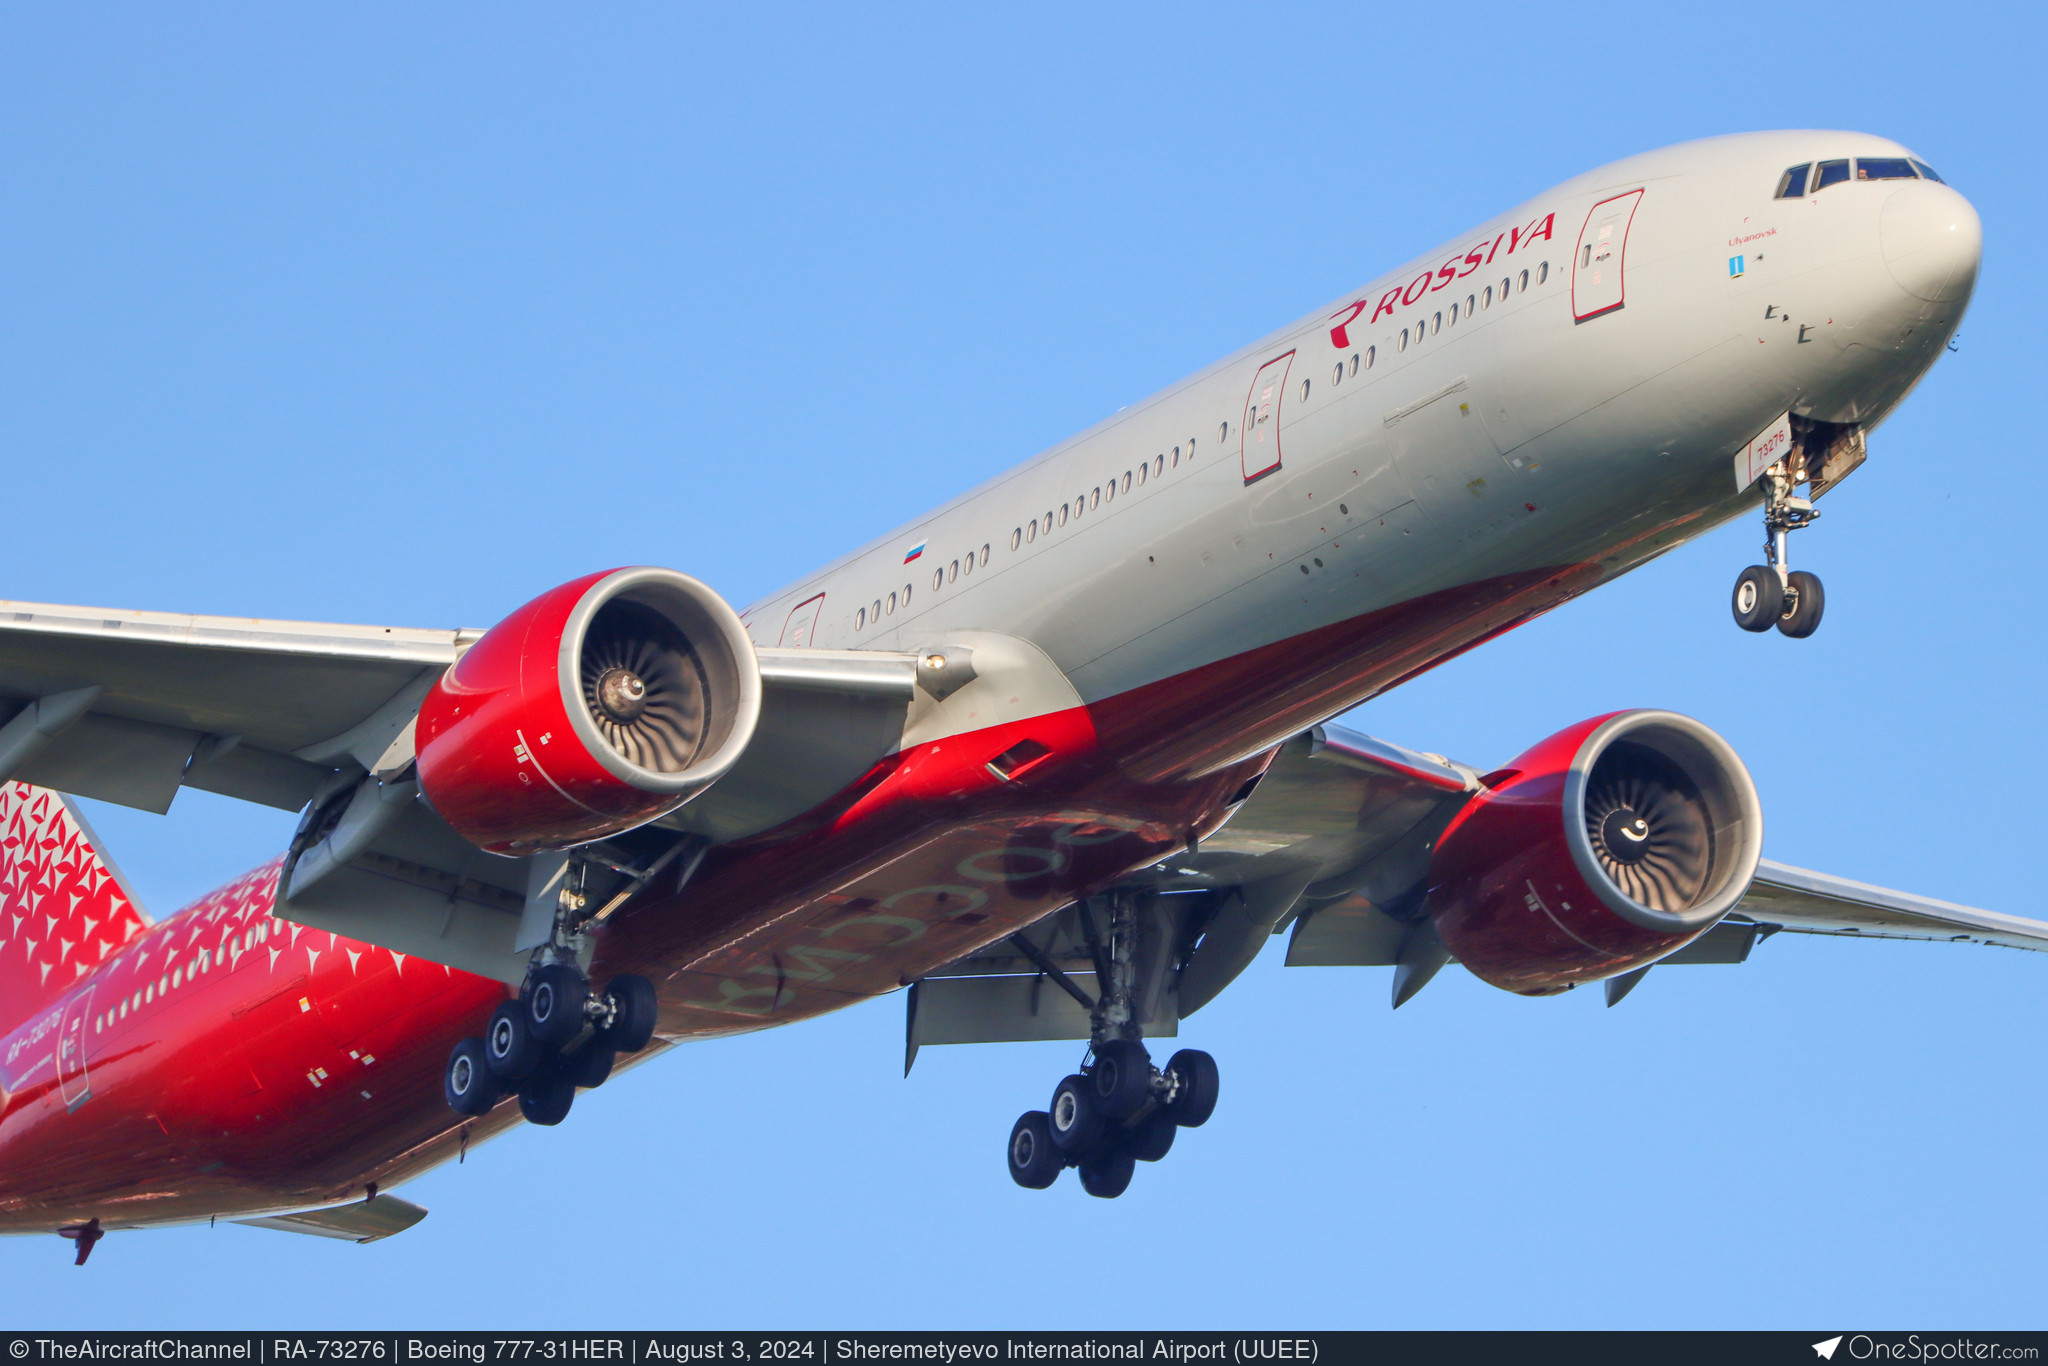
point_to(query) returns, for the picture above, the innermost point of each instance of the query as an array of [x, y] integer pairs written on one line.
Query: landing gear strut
[[1773, 593], [558, 1035], [1119, 1109]]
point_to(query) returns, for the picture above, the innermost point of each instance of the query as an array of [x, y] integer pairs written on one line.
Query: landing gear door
[[1597, 266], [1259, 434]]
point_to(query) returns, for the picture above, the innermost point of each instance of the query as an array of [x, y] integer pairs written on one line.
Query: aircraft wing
[[1800, 901], [128, 707], [1334, 844], [359, 1221]]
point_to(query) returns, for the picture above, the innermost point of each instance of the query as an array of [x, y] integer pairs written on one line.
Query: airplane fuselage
[[1501, 424]]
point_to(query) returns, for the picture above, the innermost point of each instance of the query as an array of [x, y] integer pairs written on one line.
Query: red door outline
[[1597, 284], [802, 627], [1258, 436], [72, 1082]]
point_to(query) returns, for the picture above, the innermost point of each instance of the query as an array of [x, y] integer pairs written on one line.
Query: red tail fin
[[63, 906]]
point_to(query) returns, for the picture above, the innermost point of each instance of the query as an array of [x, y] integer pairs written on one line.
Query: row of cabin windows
[[1338, 376], [1794, 183], [964, 565], [1473, 303], [203, 961], [1135, 477]]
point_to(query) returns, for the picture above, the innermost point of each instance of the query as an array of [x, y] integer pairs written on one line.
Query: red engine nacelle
[[594, 708], [1598, 851]]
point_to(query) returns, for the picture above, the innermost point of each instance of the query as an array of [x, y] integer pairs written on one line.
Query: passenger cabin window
[[1370, 353], [984, 554], [1884, 168], [1830, 173], [1927, 172], [1542, 271], [1016, 538], [1792, 184], [1158, 464]]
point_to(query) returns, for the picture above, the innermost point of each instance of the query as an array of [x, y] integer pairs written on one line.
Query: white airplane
[[1055, 756]]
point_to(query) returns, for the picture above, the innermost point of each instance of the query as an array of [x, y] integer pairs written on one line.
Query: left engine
[[599, 706], [1600, 850]]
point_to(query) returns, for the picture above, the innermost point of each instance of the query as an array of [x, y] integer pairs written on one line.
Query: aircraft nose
[[1931, 239]]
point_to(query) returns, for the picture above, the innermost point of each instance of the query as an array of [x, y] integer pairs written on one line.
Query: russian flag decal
[[915, 551]]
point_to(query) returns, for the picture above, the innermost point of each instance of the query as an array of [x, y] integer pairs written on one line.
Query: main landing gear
[[558, 1035], [1775, 594], [1119, 1109]]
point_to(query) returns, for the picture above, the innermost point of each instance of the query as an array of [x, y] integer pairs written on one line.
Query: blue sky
[[397, 315]]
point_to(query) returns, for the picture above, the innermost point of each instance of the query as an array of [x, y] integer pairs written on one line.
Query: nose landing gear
[[1775, 594], [1822, 454], [1119, 1109]]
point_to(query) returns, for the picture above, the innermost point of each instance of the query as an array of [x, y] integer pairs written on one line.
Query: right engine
[[1600, 850], [596, 707]]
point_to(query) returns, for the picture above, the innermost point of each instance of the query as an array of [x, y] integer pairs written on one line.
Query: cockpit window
[[1830, 173], [1793, 185], [1884, 168], [1927, 172]]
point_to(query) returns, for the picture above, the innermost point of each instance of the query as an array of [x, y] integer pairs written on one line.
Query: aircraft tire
[[1122, 1076], [1035, 1162], [1196, 1100], [547, 1096], [1802, 619], [590, 1064], [1153, 1139], [508, 1044], [1108, 1176], [468, 1084], [1759, 598], [1074, 1118], [554, 1006], [634, 1012]]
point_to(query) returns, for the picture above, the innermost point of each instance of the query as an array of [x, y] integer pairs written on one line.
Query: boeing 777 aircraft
[[1055, 757]]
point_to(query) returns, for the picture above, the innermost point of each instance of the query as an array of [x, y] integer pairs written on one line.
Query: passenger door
[[802, 627], [1597, 265], [72, 1082], [1259, 433]]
